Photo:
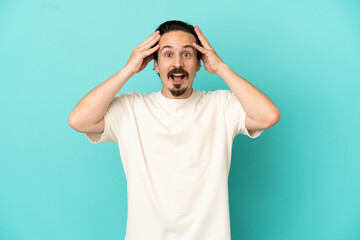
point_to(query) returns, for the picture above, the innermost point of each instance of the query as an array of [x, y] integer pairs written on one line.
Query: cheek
[[164, 64]]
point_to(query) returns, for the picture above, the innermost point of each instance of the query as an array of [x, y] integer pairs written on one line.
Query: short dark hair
[[176, 25]]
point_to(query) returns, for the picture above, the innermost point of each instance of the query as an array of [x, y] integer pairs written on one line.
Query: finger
[[150, 43], [152, 36], [148, 59], [151, 50], [200, 48], [202, 34], [204, 41]]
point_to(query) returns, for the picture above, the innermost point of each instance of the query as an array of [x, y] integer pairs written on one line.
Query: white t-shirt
[[176, 156]]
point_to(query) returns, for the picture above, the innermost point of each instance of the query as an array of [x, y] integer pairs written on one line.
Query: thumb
[[148, 59]]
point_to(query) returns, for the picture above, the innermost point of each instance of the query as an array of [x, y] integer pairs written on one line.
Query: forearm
[[256, 104], [94, 105]]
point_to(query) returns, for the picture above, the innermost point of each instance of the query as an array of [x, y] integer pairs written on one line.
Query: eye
[[167, 54], [187, 54]]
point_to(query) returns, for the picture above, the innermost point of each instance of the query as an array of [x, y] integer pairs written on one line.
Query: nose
[[178, 62]]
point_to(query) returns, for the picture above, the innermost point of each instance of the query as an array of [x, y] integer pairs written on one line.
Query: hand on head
[[143, 53]]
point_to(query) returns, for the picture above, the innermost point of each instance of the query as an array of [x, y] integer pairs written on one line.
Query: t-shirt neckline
[[176, 102]]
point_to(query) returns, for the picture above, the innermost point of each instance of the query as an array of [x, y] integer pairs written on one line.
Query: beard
[[177, 90]]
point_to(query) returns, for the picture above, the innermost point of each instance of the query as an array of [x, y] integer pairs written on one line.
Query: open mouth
[[177, 77]]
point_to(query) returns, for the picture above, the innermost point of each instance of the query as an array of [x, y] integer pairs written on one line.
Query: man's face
[[176, 55]]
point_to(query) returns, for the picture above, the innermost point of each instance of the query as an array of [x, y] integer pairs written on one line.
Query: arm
[[88, 115], [261, 113]]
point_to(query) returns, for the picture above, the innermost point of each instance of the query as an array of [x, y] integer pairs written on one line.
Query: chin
[[178, 91]]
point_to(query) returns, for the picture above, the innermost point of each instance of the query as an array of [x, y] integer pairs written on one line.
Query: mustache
[[179, 71]]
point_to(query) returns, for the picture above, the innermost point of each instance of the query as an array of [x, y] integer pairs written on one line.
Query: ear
[[198, 65], [156, 67]]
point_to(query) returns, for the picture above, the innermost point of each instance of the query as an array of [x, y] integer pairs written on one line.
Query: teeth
[[178, 75]]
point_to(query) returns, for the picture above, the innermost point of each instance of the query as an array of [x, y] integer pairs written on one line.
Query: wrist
[[222, 68], [128, 71]]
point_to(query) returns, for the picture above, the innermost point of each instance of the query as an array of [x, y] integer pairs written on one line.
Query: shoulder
[[217, 94], [122, 99], [135, 98], [130, 96]]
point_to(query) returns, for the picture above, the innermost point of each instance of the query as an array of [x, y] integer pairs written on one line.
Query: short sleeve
[[235, 116], [113, 120]]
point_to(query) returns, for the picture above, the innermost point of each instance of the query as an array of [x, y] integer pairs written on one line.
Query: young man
[[175, 144]]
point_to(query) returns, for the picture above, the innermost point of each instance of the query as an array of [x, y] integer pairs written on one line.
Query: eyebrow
[[185, 46]]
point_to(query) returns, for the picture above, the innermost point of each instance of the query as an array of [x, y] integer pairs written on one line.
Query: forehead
[[176, 39]]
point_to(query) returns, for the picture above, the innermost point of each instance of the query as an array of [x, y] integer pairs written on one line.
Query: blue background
[[298, 180]]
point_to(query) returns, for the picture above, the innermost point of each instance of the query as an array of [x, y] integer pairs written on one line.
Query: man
[[175, 144]]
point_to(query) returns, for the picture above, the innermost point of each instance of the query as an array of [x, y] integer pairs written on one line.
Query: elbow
[[72, 122], [275, 118]]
